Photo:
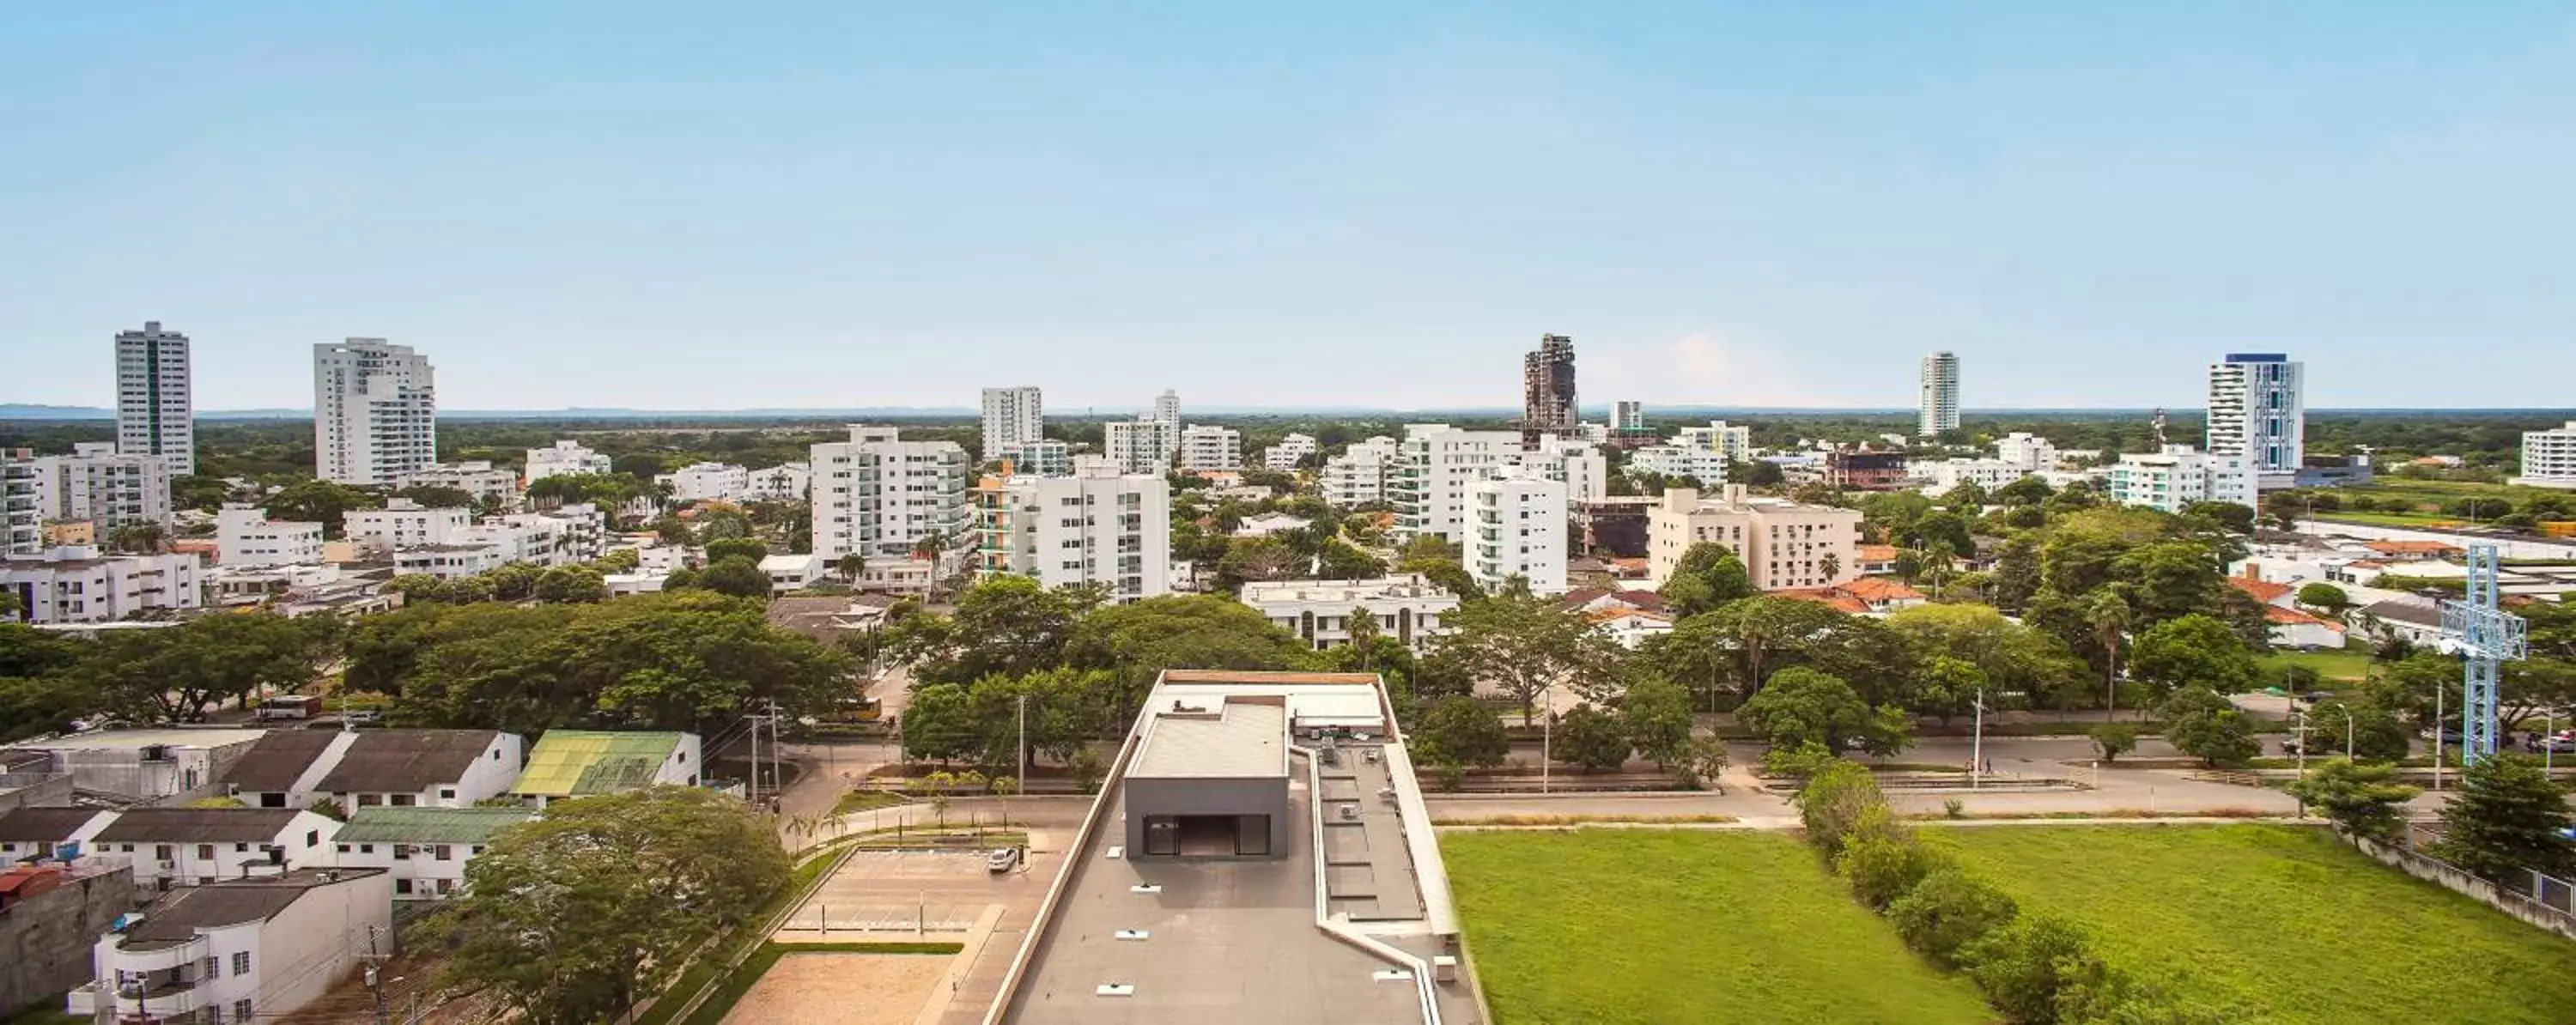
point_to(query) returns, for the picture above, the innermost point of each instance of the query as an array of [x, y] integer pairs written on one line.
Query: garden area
[[2283, 919], [1643, 926]]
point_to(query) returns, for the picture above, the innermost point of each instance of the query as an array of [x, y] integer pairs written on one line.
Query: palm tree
[[2108, 615], [1832, 565], [1937, 557]]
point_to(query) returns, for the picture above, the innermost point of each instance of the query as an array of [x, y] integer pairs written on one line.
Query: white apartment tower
[[2175, 478], [2549, 457], [1358, 475], [1142, 446], [1940, 403], [375, 412], [2258, 410], [155, 414], [1098, 526], [1167, 407], [1210, 447], [104, 486], [1434, 464], [879, 495], [1627, 416], [1012, 416], [22, 517], [1516, 528]]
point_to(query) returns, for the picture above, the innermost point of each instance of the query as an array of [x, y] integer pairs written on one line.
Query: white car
[[1002, 860]]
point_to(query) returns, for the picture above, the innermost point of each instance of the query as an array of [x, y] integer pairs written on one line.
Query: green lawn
[[2285, 921], [2349, 665], [1682, 926], [867, 800]]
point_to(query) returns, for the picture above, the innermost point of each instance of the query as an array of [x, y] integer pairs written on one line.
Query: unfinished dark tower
[[1547, 386]]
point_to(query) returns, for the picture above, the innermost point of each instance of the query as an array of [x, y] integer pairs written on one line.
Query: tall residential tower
[[1940, 402], [1012, 417], [1547, 390], [2258, 410], [375, 412], [154, 413]]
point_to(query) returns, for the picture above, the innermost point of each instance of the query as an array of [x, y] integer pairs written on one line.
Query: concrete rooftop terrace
[[1339, 929]]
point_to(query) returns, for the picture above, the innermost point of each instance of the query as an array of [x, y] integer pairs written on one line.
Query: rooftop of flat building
[[1232, 738]]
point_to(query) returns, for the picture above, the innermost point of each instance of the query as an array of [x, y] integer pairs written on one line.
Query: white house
[[1729, 441], [1706, 466], [1266, 524], [582, 763], [1435, 464], [366, 768], [565, 457], [424, 849], [1408, 608], [245, 538], [35, 832], [1516, 528], [75, 584], [788, 572], [195, 846], [142, 765], [1583, 470], [242, 950], [1044, 457], [701, 482], [2026, 450]]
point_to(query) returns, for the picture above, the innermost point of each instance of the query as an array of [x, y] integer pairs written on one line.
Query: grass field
[[2284, 920], [2348, 666], [1686, 926]]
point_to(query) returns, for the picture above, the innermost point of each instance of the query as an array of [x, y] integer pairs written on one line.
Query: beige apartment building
[[1784, 544]]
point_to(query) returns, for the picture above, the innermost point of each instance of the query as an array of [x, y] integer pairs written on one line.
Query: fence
[[2553, 907]]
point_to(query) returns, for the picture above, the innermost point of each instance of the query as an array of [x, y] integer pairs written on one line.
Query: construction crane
[[2485, 636]]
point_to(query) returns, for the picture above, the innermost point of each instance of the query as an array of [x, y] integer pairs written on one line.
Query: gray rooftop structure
[[1347, 921]]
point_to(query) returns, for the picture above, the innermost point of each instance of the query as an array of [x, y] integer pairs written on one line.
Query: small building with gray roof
[[241, 950]]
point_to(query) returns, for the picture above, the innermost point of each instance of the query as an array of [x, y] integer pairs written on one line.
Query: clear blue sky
[[834, 204]]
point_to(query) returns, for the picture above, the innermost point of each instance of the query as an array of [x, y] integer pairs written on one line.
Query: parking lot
[[893, 896]]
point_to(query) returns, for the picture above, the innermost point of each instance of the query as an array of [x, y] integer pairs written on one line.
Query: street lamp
[[2347, 730], [1977, 747]]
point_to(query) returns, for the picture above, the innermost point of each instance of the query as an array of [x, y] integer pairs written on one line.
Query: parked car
[[1002, 860], [2558, 743]]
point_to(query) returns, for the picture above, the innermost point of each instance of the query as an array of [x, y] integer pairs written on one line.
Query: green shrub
[[1834, 799], [1948, 910], [1881, 859], [2031, 969]]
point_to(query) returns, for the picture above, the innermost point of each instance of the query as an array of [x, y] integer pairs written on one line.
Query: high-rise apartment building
[[1427, 485], [1940, 401], [1516, 528], [1167, 407], [2258, 410], [155, 413], [1358, 475], [106, 487], [2549, 457], [22, 517], [1627, 416], [1784, 545], [1142, 446], [1210, 447], [2173, 479], [375, 412], [881, 496], [1012, 416], [1098, 526], [1547, 389]]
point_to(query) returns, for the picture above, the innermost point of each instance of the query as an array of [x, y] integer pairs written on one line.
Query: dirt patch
[[841, 989]]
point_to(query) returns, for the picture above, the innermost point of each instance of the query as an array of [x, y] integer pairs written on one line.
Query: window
[[402, 887], [241, 1010], [366, 848], [402, 852], [214, 967], [206, 852], [445, 853], [449, 793], [312, 837], [241, 966], [162, 852], [241, 848]]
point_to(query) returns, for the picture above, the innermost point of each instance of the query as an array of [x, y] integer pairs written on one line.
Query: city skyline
[[1747, 207]]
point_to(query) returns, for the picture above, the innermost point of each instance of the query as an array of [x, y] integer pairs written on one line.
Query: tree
[[143, 538], [1738, 646], [1801, 706], [2193, 651], [572, 918], [2031, 967], [721, 522], [1834, 800], [2232, 517], [1251, 559], [2326, 597], [1708, 575], [515, 581], [2506, 820], [1948, 911], [563, 584], [1590, 738], [2113, 739], [670, 530], [1655, 714], [1525, 645], [2017, 661], [1007, 625], [737, 576], [178, 673], [748, 548], [2107, 614], [1139, 640], [2200, 723], [1338, 560], [1947, 687], [320, 501], [2025, 491], [852, 565], [2362, 800], [1459, 731], [438, 496]]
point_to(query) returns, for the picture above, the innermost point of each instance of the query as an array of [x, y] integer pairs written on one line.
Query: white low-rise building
[[107, 489], [1408, 608], [403, 768], [1941, 475], [1044, 457], [2026, 450], [706, 482], [174, 847], [1290, 451], [1516, 528], [170, 765], [403, 523], [1784, 545], [1211, 447], [1142, 446], [245, 538], [1266, 524], [785, 482], [791, 572], [425, 850], [2175, 478], [1706, 466], [75, 584], [1579, 466], [2549, 458], [1729, 441], [565, 457], [242, 950], [478, 477], [1099, 526], [1358, 476]]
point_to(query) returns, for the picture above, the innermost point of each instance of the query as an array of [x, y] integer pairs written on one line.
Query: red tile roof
[[1880, 590], [1877, 553], [2263, 591], [1834, 598], [2412, 548], [2291, 617]]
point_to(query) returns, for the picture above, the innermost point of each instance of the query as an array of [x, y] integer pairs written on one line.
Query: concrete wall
[[45, 940], [35, 790], [2484, 892], [1208, 797]]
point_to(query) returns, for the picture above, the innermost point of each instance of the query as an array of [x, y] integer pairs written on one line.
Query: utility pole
[[375, 980], [1977, 747], [1023, 783]]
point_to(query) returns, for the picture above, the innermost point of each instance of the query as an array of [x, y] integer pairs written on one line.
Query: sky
[[714, 206]]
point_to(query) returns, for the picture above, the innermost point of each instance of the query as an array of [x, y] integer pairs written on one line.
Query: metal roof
[[278, 760], [405, 761], [198, 825], [568, 763], [176, 917], [1235, 739], [429, 825], [48, 824]]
